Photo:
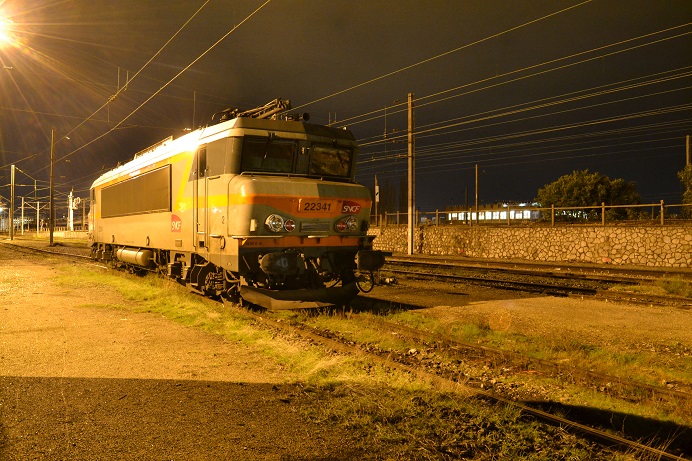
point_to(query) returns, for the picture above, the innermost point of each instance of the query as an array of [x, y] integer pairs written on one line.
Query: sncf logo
[[350, 207], [176, 223]]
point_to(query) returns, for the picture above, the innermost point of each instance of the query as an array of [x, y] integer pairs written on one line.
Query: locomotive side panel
[[219, 246], [149, 207]]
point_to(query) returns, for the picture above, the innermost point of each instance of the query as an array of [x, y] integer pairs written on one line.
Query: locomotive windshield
[[330, 161], [268, 155], [273, 155]]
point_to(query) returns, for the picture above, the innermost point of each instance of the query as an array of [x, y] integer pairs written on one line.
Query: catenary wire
[[351, 121], [166, 84], [425, 61], [123, 88]]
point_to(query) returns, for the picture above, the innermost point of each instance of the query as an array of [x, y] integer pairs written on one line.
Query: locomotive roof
[[189, 142]]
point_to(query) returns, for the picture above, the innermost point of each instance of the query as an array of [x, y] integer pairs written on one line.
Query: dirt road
[[85, 383]]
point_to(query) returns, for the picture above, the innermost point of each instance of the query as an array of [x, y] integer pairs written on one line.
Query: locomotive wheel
[[205, 279], [209, 284], [232, 296]]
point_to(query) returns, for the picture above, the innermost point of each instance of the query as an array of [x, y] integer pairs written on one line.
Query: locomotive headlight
[[289, 225], [348, 224], [275, 223], [352, 223]]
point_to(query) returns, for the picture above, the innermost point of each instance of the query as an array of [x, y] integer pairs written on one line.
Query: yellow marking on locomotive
[[184, 204], [217, 201]]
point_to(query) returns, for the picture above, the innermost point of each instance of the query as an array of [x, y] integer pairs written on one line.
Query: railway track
[[541, 279], [635, 391], [446, 382], [58, 250], [556, 270], [614, 386]]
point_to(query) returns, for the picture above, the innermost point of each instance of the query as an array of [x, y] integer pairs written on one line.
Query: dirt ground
[[85, 383], [80, 382], [627, 326]]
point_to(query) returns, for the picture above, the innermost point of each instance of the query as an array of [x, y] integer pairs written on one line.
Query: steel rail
[[552, 289], [545, 365], [505, 284], [30, 249], [576, 270]]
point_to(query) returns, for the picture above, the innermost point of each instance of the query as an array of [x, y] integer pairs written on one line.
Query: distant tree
[[685, 176], [581, 189]]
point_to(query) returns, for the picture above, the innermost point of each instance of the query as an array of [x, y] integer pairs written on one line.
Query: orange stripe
[[291, 204], [297, 242]]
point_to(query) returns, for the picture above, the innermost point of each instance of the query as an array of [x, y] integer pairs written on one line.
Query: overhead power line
[[443, 150], [430, 131], [167, 83], [425, 61], [355, 119], [124, 87], [542, 104]]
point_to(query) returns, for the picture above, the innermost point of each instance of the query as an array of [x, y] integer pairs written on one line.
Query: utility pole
[[12, 202], [38, 215], [194, 109], [687, 149], [377, 201], [70, 212], [411, 177], [51, 207], [476, 193], [466, 205]]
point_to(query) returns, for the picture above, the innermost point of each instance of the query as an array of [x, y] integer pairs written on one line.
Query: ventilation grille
[[314, 227]]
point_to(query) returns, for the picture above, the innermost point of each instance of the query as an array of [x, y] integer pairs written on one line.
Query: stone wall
[[653, 246]]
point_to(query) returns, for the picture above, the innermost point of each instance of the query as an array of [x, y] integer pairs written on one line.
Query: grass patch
[[675, 286], [672, 362], [666, 286], [157, 295], [439, 426], [674, 365]]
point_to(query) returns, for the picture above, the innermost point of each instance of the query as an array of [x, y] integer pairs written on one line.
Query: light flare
[[5, 31]]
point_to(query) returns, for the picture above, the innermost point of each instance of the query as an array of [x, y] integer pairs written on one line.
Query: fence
[[32, 216], [658, 213]]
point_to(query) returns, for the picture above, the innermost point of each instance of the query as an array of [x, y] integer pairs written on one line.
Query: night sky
[[527, 90]]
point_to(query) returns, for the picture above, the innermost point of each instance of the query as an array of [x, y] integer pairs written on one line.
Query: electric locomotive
[[252, 207]]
